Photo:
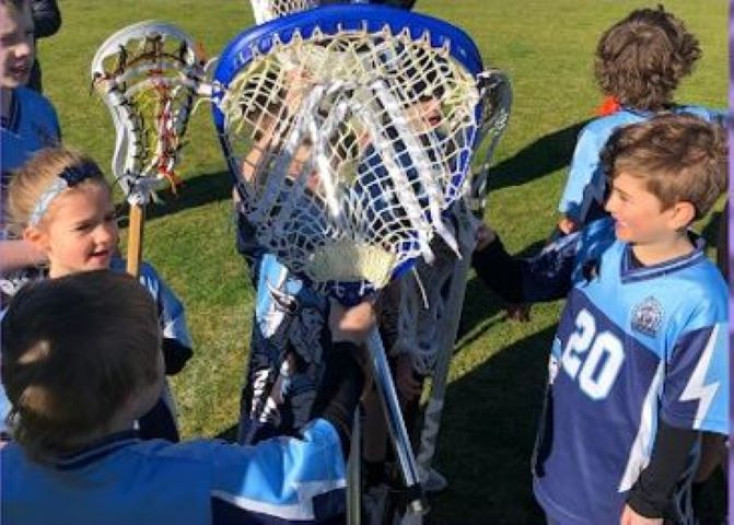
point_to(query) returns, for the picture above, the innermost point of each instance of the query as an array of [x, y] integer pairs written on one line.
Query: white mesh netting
[[349, 147], [148, 75]]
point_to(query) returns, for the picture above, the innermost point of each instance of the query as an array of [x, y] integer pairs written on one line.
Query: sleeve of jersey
[[170, 308], [281, 480], [695, 393], [544, 277], [584, 163]]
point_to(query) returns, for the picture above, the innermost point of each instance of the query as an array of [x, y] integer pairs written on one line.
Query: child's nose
[[106, 233], [24, 49]]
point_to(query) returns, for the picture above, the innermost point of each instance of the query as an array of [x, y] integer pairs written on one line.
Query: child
[[77, 458], [639, 63], [60, 203], [638, 368], [27, 123]]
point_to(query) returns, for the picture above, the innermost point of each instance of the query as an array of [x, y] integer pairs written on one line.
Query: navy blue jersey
[[123, 480], [289, 339], [584, 193], [635, 345]]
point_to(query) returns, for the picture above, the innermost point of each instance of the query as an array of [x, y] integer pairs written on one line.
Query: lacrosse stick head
[[148, 75], [266, 10], [349, 131]]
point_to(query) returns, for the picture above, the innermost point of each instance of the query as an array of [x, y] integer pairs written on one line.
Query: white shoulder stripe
[[302, 510]]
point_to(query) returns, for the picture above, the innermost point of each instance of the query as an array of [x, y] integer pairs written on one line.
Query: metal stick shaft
[[395, 422], [354, 474]]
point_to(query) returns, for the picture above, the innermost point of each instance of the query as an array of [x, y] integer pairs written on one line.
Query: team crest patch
[[647, 317]]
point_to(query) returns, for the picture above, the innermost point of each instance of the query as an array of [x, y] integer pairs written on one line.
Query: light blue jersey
[[31, 125], [123, 480], [584, 193], [635, 344]]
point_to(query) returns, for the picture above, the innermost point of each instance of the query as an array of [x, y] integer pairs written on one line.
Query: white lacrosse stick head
[[266, 10], [349, 131], [148, 74]]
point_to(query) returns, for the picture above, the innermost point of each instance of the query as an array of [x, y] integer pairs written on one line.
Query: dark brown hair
[[641, 59], [74, 351], [683, 158]]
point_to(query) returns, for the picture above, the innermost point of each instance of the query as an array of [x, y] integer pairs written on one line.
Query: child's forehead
[[13, 18], [631, 183], [89, 193]]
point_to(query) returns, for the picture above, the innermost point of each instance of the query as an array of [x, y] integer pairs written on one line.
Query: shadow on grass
[[192, 193], [546, 155], [487, 438], [481, 303], [228, 434]]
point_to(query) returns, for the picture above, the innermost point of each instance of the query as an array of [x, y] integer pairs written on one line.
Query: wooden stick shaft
[[135, 239]]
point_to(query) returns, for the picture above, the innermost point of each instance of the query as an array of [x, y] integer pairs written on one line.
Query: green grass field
[[498, 374]]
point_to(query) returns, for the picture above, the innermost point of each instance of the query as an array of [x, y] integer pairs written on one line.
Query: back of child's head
[[43, 177], [74, 352], [682, 158], [641, 59]]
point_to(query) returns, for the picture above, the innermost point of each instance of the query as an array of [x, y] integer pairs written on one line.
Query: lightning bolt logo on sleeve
[[697, 389]]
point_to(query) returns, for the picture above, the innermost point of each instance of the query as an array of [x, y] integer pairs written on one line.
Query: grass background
[[498, 374]]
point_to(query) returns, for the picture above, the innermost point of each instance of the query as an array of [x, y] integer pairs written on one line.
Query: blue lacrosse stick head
[[389, 183]]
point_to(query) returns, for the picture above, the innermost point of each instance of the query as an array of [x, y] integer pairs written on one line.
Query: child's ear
[[36, 237], [683, 214]]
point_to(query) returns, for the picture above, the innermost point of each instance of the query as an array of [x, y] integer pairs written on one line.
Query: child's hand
[[351, 324], [485, 236], [567, 225], [630, 517], [519, 312], [409, 387]]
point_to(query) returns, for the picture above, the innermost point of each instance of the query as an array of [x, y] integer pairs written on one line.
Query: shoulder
[[703, 112], [148, 276], [35, 102], [604, 126], [706, 293]]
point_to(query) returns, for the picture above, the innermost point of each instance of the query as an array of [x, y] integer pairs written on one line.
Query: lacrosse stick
[[432, 336], [266, 10], [148, 75], [349, 130]]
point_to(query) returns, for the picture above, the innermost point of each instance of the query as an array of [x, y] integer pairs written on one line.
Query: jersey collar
[[96, 450], [631, 273]]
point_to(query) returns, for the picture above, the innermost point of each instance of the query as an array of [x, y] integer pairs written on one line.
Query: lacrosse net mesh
[[348, 148], [265, 10], [148, 75]]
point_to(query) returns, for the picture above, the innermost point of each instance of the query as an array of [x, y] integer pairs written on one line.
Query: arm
[[46, 17], [18, 254], [652, 494], [343, 380], [545, 277], [694, 399]]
